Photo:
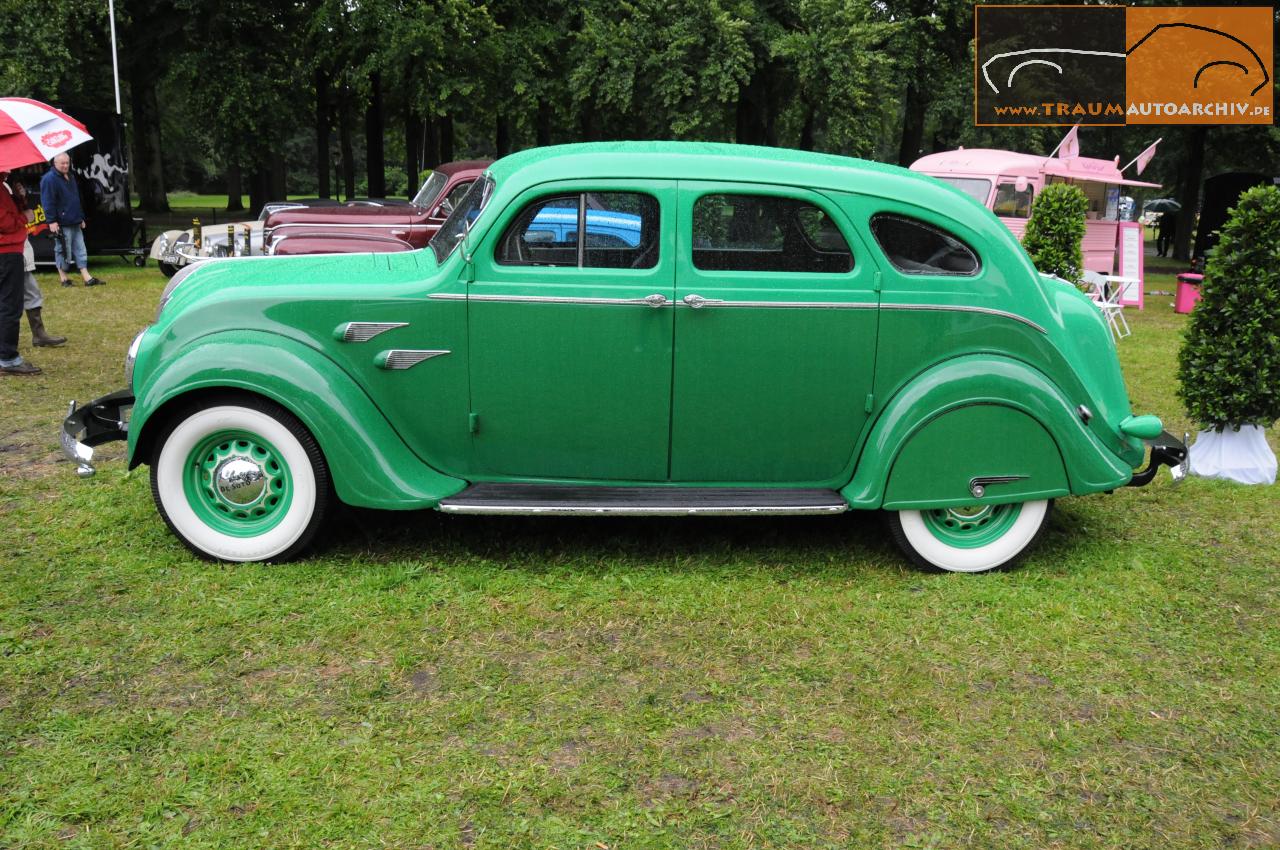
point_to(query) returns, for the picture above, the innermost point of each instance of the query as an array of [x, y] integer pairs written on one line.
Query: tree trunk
[[502, 140], [323, 123], [374, 140], [278, 174], [259, 189], [235, 188], [412, 149], [912, 125], [749, 117], [1190, 198], [431, 143], [806, 129], [543, 130], [348, 154], [148, 162], [446, 138]]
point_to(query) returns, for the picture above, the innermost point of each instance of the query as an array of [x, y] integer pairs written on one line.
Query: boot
[[38, 335]]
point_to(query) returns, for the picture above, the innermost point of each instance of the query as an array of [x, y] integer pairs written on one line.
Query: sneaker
[[93, 281], [68, 282], [23, 368]]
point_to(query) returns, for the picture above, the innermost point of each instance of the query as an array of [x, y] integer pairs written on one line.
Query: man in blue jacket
[[60, 197]]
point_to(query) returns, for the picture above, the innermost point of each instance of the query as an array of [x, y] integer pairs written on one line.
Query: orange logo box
[[1199, 65]]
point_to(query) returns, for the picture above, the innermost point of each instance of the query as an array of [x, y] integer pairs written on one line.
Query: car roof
[[451, 168], [706, 161]]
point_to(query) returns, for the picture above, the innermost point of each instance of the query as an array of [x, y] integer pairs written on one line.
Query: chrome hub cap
[[240, 481]]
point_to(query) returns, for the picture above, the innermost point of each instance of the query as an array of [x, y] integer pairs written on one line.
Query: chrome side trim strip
[[365, 331], [550, 299], [956, 308], [405, 358], [712, 304], [655, 510], [717, 305]]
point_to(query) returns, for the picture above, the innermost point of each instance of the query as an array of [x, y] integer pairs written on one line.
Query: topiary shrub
[[1056, 229], [1229, 365]]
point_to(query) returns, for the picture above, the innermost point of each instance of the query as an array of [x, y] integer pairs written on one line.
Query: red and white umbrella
[[31, 132]]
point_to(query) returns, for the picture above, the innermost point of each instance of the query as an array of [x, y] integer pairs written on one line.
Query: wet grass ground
[[437, 682]]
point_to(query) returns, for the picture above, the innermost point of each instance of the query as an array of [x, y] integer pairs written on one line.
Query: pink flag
[[1070, 144], [1145, 156]]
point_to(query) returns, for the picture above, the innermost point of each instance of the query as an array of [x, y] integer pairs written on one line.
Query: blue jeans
[[72, 242]]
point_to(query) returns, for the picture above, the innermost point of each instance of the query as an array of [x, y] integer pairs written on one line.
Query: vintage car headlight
[[131, 356]]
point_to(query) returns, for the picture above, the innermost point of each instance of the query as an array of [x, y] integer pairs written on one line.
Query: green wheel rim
[[229, 514], [972, 526]]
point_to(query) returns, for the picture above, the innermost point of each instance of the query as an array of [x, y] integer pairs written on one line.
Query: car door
[[571, 337], [775, 326]]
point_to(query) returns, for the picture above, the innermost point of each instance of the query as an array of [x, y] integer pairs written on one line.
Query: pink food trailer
[[1006, 182]]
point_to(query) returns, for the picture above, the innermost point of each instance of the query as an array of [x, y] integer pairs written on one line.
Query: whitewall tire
[[240, 479], [970, 540]]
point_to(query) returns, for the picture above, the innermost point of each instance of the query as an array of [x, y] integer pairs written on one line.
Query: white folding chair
[[1109, 303]]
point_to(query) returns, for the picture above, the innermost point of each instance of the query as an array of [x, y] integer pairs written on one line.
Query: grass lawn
[[426, 681]]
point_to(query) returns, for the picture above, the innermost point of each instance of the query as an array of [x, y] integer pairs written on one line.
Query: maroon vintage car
[[370, 226]]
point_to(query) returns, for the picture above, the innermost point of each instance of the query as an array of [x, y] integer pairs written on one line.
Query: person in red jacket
[[13, 235]]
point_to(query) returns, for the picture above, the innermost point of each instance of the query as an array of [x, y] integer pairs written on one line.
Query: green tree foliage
[[1054, 232], [1229, 365]]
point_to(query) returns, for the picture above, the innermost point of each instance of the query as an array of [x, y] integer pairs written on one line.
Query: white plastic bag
[[1235, 455]]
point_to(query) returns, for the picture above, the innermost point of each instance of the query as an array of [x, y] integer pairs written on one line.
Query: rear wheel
[[970, 539], [240, 480]]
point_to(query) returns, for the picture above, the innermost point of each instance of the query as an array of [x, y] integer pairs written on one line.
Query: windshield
[[974, 187], [431, 189], [462, 217]]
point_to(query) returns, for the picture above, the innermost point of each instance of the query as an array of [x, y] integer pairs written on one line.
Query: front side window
[[621, 232], [1010, 203], [914, 247], [455, 196], [463, 216], [765, 233]]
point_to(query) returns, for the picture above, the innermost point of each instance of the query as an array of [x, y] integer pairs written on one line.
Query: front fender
[[370, 464], [981, 379]]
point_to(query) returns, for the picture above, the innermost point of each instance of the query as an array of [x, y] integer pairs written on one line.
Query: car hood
[[251, 276], [399, 214]]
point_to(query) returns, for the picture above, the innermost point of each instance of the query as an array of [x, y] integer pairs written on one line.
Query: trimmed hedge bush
[[1056, 229], [1229, 365]]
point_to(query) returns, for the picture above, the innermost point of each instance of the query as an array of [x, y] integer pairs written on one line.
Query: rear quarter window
[[917, 248]]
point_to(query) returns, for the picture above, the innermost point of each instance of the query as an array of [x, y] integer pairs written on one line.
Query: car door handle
[[697, 301], [654, 300]]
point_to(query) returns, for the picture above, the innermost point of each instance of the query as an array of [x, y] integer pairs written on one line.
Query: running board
[[559, 499]]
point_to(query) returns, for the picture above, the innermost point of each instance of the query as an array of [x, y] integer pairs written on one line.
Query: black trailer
[[101, 168]]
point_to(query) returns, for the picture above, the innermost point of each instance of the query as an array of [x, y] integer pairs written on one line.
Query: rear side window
[[621, 232], [763, 233], [918, 248]]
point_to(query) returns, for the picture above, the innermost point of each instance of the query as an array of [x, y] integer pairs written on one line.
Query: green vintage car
[[639, 328]]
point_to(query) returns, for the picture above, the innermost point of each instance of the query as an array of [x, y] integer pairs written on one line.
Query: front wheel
[[970, 539], [167, 269], [240, 479]]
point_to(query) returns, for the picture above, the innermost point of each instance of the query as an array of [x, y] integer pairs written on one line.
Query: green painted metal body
[[896, 389]]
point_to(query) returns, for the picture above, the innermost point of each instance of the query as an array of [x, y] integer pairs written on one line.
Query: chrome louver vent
[[365, 331], [405, 358]]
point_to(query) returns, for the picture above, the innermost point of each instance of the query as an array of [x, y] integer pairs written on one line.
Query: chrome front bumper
[[100, 421]]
